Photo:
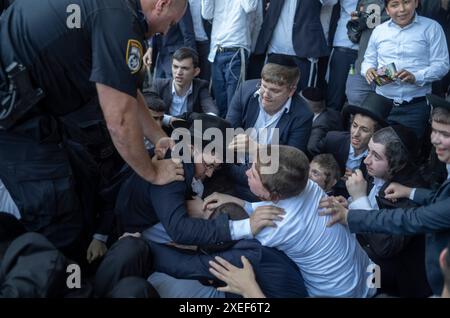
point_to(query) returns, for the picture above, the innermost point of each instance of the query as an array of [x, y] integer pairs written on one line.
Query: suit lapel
[[253, 112], [443, 187], [168, 97], [283, 123]]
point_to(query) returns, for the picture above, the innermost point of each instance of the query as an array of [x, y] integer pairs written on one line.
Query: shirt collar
[[286, 107], [448, 171], [352, 153], [378, 183], [174, 92]]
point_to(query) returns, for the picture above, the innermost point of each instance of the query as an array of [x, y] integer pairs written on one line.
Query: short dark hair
[[376, 127], [441, 115], [328, 163], [233, 210], [154, 102], [292, 175], [186, 53]]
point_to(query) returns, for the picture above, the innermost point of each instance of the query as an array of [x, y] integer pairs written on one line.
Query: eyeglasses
[[271, 92]]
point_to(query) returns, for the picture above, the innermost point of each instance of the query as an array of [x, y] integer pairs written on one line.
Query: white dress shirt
[[266, 124], [419, 48], [7, 204], [368, 202], [196, 12], [341, 38], [178, 106], [330, 259], [235, 23], [281, 42]]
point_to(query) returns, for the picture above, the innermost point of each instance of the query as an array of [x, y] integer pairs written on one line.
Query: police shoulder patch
[[134, 56]]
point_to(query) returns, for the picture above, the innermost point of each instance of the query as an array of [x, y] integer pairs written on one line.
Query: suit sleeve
[[235, 110], [423, 196], [169, 203], [425, 219], [179, 264]]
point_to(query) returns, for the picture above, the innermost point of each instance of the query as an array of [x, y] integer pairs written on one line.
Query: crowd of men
[[107, 110]]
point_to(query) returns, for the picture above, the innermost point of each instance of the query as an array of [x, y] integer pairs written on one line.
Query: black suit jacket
[[199, 101], [141, 205], [294, 126], [328, 120], [307, 36]]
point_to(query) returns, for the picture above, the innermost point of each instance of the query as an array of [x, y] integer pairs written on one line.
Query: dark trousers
[[124, 270], [226, 76], [204, 63], [340, 65], [36, 171], [414, 116]]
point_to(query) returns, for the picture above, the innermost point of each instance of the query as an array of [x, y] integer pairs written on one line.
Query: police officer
[[75, 53]]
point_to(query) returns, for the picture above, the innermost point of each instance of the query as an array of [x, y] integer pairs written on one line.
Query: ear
[[442, 257], [161, 5], [196, 71], [293, 91], [274, 196]]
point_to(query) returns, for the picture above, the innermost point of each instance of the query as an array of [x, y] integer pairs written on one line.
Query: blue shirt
[[353, 162], [419, 48]]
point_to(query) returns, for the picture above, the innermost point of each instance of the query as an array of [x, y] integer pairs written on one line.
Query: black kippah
[[281, 59]]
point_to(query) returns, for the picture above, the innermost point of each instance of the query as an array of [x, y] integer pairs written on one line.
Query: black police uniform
[[47, 159]]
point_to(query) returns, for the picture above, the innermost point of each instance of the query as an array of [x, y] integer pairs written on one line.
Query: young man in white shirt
[[332, 263]]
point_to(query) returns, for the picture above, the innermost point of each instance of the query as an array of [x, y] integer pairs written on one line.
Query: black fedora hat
[[439, 102], [374, 106]]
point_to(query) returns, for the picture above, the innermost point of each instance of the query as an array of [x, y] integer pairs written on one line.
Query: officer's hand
[[167, 171], [96, 250], [163, 145], [148, 57], [264, 216]]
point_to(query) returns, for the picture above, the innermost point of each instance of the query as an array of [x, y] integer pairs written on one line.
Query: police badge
[[134, 56]]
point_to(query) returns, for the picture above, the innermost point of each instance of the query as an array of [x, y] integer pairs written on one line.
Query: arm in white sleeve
[[411, 195], [361, 203], [438, 61], [240, 229]]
